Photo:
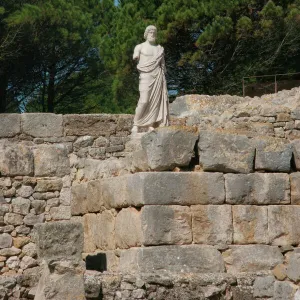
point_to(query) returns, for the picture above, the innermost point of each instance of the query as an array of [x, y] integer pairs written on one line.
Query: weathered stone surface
[[257, 188], [10, 125], [28, 262], [20, 206], [225, 152], [42, 125], [166, 225], [5, 240], [284, 290], [94, 196], [48, 185], [10, 251], [250, 224], [212, 224], [295, 188], [280, 272], [79, 204], [296, 151], [25, 191], [51, 160], [65, 196], [164, 188], [64, 281], [94, 125], [7, 281], [59, 240], [30, 250], [89, 222], [264, 286], [169, 147], [105, 223], [284, 224], [252, 258], [128, 228], [15, 159], [13, 219], [293, 267], [96, 169], [188, 259], [83, 141], [32, 219], [273, 154], [38, 205], [60, 213], [20, 241], [13, 262]]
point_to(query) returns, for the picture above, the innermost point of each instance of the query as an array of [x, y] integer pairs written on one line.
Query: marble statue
[[153, 106]]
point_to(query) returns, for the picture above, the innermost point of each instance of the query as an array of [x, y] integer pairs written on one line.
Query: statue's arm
[[137, 52], [163, 65]]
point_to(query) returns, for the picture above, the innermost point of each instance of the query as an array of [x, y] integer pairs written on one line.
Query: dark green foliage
[[75, 56]]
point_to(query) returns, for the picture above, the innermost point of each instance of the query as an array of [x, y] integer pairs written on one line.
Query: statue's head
[[150, 33]]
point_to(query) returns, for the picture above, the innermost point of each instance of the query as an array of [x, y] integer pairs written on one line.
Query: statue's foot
[[150, 128], [134, 129]]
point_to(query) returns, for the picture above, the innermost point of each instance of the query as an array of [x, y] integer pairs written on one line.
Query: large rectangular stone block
[[250, 224], [59, 240], [169, 147], [252, 258], [10, 125], [104, 231], [128, 230], [212, 224], [42, 124], [94, 196], [166, 225], [51, 160], [284, 224], [177, 259], [273, 154], [257, 188], [92, 124], [15, 159], [221, 152], [164, 188]]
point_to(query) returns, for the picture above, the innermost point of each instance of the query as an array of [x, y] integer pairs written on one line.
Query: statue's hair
[[150, 27]]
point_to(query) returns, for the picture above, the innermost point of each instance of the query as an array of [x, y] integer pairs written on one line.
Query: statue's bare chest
[[149, 50]]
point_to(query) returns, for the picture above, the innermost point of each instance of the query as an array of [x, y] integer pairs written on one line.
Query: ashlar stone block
[[51, 160], [220, 152], [42, 124], [252, 258], [79, 204], [273, 154], [293, 267], [166, 225], [59, 240], [177, 259], [212, 224], [128, 230], [10, 125], [169, 147], [284, 224], [250, 224], [257, 188], [163, 188], [15, 159]]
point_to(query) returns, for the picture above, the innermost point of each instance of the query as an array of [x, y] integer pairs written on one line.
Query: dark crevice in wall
[[96, 262]]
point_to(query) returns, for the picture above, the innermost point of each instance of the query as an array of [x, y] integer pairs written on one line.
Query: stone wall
[[200, 210], [41, 157]]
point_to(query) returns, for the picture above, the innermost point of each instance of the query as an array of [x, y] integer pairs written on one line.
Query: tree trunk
[[3, 93], [51, 89]]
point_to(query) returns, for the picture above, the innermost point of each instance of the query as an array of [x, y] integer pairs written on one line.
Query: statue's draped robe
[[154, 94]]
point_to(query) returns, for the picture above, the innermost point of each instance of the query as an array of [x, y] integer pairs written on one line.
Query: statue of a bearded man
[[153, 106]]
